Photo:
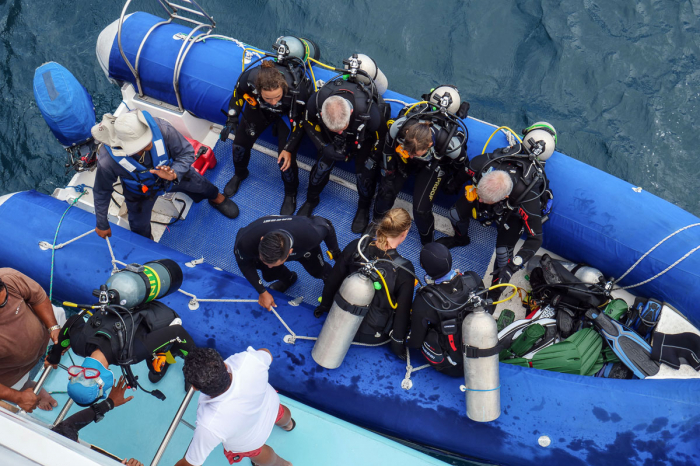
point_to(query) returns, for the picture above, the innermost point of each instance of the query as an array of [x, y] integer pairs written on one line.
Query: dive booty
[[283, 285], [228, 208], [350, 306], [453, 241], [361, 220], [233, 184], [289, 205], [307, 208]]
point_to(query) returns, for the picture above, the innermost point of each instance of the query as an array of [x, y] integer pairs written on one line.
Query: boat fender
[[350, 306], [481, 376]]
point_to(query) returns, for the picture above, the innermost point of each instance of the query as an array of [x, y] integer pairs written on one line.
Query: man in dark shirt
[[269, 242], [150, 157]]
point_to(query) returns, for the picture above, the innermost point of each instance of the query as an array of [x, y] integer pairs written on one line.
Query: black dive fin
[[633, 351]]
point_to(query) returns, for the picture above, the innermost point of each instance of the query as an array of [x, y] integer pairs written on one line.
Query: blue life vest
[[141, 176]]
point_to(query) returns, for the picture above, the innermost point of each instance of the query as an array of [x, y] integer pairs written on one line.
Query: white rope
[[650, 251], [46, 245], [405, 104], [406, 383], [115, 269], [663, 271]]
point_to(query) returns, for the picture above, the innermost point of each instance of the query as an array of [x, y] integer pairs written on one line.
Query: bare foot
[[46, 401]]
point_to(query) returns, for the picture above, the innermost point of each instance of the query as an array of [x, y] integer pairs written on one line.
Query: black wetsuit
[[524, 217], [429, 175], [381, 318], [358, 140], [306, 234], [256, 118], [153, 334], [438, 334], [69, 427]]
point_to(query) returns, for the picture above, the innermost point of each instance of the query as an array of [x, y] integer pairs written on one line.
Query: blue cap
[[85, 395]]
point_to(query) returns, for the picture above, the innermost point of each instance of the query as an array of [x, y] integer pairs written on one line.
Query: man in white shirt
[[237, 407]]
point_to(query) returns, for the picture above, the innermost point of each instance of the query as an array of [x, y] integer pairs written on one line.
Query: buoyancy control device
[[68, 111]]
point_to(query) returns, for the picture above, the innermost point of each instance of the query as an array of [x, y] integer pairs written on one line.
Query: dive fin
[[632, 350]]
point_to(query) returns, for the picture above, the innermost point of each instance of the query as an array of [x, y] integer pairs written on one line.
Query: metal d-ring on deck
[[171, 9], [173, 425]]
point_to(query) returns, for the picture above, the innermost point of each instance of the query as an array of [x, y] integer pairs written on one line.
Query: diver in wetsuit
[[269, 242], [345, 118], [432, 144], [262, 96], [511, 191], [383, 321], [439, 309], [122, 337]]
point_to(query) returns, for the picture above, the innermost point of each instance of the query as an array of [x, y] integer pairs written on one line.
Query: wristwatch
[[55, 327]]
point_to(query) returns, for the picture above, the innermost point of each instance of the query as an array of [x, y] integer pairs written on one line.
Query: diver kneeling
[[389, 311], [439, 309]]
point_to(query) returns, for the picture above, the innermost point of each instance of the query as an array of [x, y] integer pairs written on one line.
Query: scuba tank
[[297, 47], [138, 284], [68, 111], [585, 273], [350, 306], [481, 378]]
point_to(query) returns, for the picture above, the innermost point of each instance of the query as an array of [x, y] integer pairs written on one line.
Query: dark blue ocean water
[[618, 79]]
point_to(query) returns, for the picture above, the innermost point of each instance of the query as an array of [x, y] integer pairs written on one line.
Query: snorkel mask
[[89, 383]]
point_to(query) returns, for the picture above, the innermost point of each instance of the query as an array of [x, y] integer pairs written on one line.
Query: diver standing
[[430, 141], [389, 311], [510, 188], [262, 97], [346, 118], [268, 242], [439, 309]]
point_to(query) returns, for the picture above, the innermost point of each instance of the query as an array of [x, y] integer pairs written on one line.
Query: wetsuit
[[441, 161], [153, 333], [306, 235], [256, 118], [179, 155], [381, 320], [69, 427], [512, 220], [358, 140], [436, 321]]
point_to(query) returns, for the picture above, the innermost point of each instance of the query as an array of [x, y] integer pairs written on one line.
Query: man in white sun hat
[[150, 157]]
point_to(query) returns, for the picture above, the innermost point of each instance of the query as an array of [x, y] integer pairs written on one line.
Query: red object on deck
[[204, 156]]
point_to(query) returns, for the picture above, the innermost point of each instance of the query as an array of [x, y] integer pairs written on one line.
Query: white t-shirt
[[241, 418]]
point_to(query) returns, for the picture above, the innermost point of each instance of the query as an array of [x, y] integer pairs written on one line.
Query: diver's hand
[[164, 172], [117, 393], [27, 400], [266, 300], [104, 233], [285, 158]]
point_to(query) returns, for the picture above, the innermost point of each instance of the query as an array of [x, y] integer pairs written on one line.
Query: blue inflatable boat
[[547, 417]]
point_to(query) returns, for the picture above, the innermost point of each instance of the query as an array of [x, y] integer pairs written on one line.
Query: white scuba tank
[[585, 273], [481, 377], [343, 321]]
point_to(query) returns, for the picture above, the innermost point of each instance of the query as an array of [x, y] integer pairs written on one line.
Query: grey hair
[[494, 186], [335, 113]]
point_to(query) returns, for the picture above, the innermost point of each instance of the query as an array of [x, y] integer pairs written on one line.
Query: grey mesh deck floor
[[206, 233]]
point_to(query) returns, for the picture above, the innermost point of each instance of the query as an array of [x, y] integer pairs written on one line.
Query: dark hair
[[205, 369], [269, 78], [273, 247], [418, 138]]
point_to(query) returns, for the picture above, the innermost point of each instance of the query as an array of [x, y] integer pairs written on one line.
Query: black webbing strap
[[473, 352], [351, 308]]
